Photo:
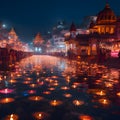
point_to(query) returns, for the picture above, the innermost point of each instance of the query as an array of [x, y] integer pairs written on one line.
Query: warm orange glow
[[118, 94], [35, 98], [12, 81], [65, 88], [11, 117], [6, 100], [67, 95], [101, 93], [55, 102], [104, 101], [40, 115], [85, 117], [78, 102], [47, 92]]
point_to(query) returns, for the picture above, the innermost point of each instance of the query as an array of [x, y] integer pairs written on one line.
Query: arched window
[[107, 29], [112, 30]]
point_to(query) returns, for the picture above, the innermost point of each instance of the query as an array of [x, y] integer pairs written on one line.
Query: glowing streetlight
[[4, 26]]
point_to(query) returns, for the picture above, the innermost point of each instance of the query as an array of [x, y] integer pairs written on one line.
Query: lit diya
[[55, 84], [19, 75], [55, 102], [46, 92], [118, 94], [6, 91], [11, 117], [26, 82], [101, 93], [104, 76], [76, 83], [31, 91], [78, 102], [65, 88], [6, 100], [35, 98], [52, 88], [54, 77], [109, 85], [28, 78], [33, 85], [98, 81], [40, 115], [85, 78], [104, 101], [74, 86], [67, 95], [12, 81], [85, 117], [41, 83]]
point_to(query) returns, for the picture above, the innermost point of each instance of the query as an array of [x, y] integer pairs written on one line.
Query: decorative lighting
[[6, 100], [55, 102], [78, 102]]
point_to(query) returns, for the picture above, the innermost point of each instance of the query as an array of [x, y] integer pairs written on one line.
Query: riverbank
[[111, 62]]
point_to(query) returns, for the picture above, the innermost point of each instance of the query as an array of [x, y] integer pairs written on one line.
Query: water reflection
[[61, 88]]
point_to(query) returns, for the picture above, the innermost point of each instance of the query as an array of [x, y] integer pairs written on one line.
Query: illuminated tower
[[12, 36], [38, 43], [106, 20]]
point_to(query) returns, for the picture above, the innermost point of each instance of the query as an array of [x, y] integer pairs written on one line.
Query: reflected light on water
[[40, 116], [35, 98], [104, 101], [54, 81], [11, 117], [6, 100], [6, 91], [85, 117], [78, 102], [55, 102]]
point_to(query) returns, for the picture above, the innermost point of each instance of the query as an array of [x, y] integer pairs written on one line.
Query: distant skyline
[[29, 17]]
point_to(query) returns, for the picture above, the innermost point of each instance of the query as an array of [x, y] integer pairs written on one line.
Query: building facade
[[102, 33]]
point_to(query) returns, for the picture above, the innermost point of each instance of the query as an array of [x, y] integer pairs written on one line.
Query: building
[[102, 33], [38, 44], [77, 42], [58, 37]]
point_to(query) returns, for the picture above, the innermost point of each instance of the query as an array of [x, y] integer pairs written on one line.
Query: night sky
[[31, 16]]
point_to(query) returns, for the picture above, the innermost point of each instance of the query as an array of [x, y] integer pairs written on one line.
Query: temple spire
[[38, 40], [72, 27], [107, 4], [12, 35], [12, 31]]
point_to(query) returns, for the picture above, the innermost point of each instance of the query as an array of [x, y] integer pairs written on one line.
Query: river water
[[44, 87]]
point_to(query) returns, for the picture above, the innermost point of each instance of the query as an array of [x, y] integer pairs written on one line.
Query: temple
[[38, 44], [102, 33]]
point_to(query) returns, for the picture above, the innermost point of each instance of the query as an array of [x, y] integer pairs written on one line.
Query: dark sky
[[31, 16]]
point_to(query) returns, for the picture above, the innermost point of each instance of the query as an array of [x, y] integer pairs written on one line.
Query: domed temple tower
[[106, 21], [38, 44]]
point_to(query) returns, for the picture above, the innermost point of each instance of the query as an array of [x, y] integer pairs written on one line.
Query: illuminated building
[[58, 37], [76, 41], [106, 21], [102, 33], [12, 36], [38, 44], [14, 42], [105, 32]]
